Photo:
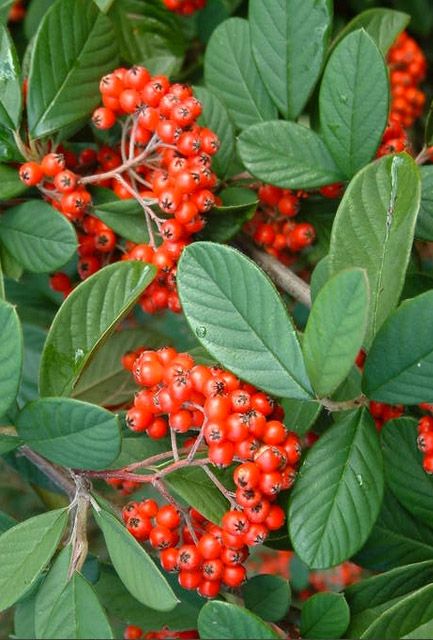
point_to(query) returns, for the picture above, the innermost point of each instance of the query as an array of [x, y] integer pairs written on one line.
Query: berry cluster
[[425, 441], [382, 412], [163, 162], [235, 422], [408, 68], [184, 7], [273, 227], [132, 632]]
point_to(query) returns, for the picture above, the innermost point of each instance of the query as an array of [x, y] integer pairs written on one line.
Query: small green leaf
[[325, 615], [197, 489], [231, 73], [335, 329], [369, 598], [267, 596], [289, 40], [86, 319], [224, 222], [287, 155], [354, 97], [10, 84], [424, 223], [11, 355], [34, 338], [38, 236], [232, 320], [374, 229], [383, 25], [103, 5], [224, 621], [9, 443], [10, 183], [125, 217], [300, 415], [338, 494], [216, 117], [134, 566], [74, 47], [78, 614], [399, 366], [71, 433], [403, 468], [24, 551], [51, 590]]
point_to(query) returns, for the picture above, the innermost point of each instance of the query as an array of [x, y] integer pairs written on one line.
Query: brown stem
[[52, 471], [346, 405], [79, 540], [219, 485], [283, 277]]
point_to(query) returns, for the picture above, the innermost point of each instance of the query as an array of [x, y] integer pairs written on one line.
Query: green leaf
[[5, 6], [86, 319], [34, 14], [232, 320], [134, 566], [224, 222], [338, 494], [403, 468], [300, 415], [221, 621], [319, 276], [428, 137], [24, 551], [24, 618], [287, 155], [105, 381], [148, 34], [71, 433], [197, 489], [34, 338], [36, 303], [335, 329], [216, 117], [38, 236], [325, 615], [231, 73], [10, 84], [424, 223], [11, 268], [9, 443], [383, 25], [78, 614], [369, 598], [399, 365], [397, 539], [51, 589], [103, 5], [374, 229], [125, 217], [267, 596], [11, 355], [6, 522], [354, 100], [10, 183], [135, 449], [74, 47], [289, 40]]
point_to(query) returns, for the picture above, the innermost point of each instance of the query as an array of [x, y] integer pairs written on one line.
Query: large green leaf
[[335, 329], [38, 236], [10, 84], [369, 598], [105, 381], [74, 47], [338, 493], [231, 73], [71, 433], [198, 490], [232, 319], [11, 355], [24, 551], [374, 229], [267, 596], [148, 34], [288, 155], [10, 183], [354, 97], [383, 25], [325, 615], [397, 538], [399, 366], [216, 117], [134, 566], [86, 319], [403, 468], [289, 40], [78, 614], [49, 592], [424, 223], [221, 621], [125, 217]]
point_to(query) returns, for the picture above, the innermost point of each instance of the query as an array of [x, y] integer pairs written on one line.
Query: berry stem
[[346, 405], [219, 485]]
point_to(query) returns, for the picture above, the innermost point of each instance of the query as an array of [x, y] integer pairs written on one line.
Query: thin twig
[[346, 405], [54, 473]]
